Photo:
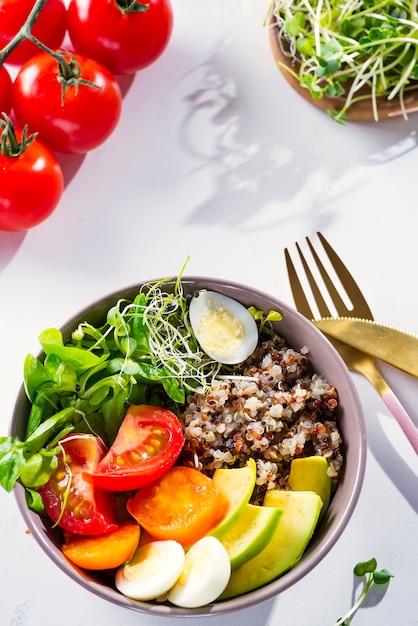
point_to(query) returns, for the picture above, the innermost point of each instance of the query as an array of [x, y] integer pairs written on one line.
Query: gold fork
[[354, 359]]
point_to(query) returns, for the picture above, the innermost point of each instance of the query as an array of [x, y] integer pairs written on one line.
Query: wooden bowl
[[361, 111]]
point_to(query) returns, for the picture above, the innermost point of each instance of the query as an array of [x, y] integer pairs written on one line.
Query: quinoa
[[272, 408]]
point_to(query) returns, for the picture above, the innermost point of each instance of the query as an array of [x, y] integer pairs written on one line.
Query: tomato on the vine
[[148, 443], [124, 35], [32, 181], [50, 27], [74, 104], [71, 502], [5, 90]]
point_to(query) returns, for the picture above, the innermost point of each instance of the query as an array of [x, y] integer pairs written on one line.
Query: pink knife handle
[[402, 417]]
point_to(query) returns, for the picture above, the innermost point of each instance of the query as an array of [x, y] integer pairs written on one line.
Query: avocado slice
[[251, 533], [311, 474], [236, 486], [301, 510]]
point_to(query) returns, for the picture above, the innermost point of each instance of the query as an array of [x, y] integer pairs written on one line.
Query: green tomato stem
[[132, 6], [10, 146]]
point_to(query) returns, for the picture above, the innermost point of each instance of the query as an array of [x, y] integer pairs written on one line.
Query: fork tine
[[332, 291], [360, 307], [319, 300], [299, 297]]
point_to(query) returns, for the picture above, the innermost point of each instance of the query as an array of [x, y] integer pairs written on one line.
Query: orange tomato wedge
[[182, 505], [105, 551]]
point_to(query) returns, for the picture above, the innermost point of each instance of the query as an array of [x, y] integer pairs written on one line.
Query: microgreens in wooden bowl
[[354, 60]]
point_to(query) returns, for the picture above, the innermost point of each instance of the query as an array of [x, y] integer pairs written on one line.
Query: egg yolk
[[220, 332]]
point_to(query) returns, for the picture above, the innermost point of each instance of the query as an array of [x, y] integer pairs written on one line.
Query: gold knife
[[383, 342]]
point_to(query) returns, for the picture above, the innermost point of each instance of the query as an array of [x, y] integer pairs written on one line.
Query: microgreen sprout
[[263, 319], [366, 569], [68, 478], [361, 50]]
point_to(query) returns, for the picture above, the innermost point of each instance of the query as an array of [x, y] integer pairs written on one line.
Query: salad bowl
[[297, 332]]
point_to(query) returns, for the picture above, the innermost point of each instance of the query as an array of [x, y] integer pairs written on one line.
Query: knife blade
[[389, 344]]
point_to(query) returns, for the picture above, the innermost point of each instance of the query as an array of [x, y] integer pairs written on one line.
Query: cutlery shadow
[[399, 472], [396, 465]]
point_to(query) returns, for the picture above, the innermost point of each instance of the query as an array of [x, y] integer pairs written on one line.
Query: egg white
[[224, 328], [205, 575], [152, 571]]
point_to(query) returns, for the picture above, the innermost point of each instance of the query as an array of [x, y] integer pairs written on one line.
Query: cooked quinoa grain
[[272, 409]]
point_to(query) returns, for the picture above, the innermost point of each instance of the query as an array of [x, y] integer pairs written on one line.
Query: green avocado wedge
[[301, 510], [251, 533], [236, 485], [311, 474]]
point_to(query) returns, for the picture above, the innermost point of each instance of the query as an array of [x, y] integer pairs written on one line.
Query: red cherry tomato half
[[75, 504], [5, 90], [148, 443], [125, 42], [77, 120], [31, 186], [49, 28]]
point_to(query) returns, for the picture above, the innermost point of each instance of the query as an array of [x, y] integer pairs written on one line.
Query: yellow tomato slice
[[101, 552], [182, 505]]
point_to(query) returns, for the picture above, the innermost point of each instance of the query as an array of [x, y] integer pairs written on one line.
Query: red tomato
[[31, 183], [125, 42], [183, 505], [49, 28], [71, 502], [148, 443], [77, 120], [5, 90]]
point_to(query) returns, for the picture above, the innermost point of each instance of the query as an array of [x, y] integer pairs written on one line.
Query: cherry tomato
[[77, 119], [71, 502], [148, 443], [49, 28], [31, 182], [183, 505], [124, 41], [103, 551], [5, 90]]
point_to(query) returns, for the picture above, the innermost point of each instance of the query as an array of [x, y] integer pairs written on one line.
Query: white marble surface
[[217, 158]]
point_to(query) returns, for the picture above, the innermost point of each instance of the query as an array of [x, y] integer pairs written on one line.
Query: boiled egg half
[[224, 328]]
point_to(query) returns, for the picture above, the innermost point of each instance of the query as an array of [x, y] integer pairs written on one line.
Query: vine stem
[[69, 70], [25, 32]]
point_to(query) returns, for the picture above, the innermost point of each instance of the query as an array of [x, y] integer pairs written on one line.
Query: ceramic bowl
[[361, 111], [297, 331]]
